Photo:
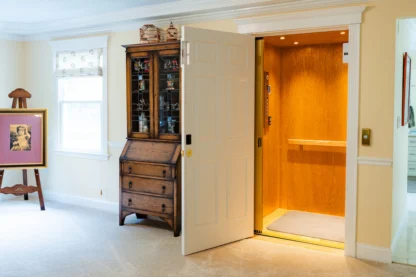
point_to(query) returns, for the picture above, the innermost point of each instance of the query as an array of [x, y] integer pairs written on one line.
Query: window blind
[[79, 63]]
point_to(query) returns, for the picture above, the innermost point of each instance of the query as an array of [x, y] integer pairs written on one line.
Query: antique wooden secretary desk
[[150, 173]]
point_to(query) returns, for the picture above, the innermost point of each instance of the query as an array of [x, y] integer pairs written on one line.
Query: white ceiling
[[36, 11], [49, 19]]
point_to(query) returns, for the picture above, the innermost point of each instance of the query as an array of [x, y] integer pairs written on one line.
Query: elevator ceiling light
[[282, 38], [296, 43], [343, 33]]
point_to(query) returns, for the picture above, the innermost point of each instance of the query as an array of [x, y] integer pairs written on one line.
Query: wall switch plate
[[366, 137]]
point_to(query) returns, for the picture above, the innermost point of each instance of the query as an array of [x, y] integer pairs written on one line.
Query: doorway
[[226, 216], [404, 157], [301, 117]]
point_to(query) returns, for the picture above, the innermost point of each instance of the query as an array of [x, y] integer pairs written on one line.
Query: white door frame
[[318, 21]]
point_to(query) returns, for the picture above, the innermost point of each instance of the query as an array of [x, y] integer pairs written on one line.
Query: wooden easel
[[19, 96]]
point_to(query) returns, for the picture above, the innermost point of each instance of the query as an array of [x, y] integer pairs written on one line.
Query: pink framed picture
[[23, 134]]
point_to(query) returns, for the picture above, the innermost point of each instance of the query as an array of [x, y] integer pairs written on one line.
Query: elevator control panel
[[267, 91]]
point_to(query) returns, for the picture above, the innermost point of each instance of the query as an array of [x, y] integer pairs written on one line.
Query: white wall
[[405, 42], [75, 176], [12, 72]]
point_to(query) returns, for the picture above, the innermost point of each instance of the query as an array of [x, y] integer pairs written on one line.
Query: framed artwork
[[23, 135], [407, 64]]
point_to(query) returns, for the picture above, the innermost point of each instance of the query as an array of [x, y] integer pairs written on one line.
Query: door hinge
[[259, 142], [184, 51]]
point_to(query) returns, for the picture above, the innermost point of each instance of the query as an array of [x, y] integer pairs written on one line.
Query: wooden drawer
[[162, 171], [148, 185], [159, 205]]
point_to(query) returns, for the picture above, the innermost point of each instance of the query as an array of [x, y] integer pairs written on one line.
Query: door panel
[[260, 121], [218, 179]]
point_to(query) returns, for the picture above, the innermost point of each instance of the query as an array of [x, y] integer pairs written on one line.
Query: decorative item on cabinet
[[171, 33], [149, 163], [149, 33]]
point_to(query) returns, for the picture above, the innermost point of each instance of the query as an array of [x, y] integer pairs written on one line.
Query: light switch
[[366, 137]]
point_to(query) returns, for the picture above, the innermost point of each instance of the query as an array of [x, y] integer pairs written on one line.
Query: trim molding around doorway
[[317, 21]]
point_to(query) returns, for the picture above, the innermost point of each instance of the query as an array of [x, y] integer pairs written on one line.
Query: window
[[80, 77]]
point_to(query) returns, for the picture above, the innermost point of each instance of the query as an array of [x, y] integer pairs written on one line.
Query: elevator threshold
[[299, 238]]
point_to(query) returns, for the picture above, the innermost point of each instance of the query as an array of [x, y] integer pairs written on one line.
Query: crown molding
[[184, 12], [5, 36], [79, 44], [321, 18]]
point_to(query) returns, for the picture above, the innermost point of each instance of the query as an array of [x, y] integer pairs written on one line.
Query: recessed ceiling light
[[296, 43], [282, 38], [343, 33]]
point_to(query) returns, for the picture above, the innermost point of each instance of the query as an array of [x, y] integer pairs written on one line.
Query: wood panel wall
[[271, 138], [311, 104]]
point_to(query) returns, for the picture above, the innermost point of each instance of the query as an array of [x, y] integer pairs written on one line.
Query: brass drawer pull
[[163, 189], [164, 173], [130, 184], [163, 207], [129, 169], [130, 202]]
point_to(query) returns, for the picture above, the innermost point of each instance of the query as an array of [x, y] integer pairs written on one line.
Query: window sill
[[81, 155]]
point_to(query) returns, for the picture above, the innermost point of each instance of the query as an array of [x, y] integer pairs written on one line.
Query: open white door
[[218, 112]]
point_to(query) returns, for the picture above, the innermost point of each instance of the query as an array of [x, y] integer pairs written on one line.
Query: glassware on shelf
[[142, 65], [162, 127], [161, 102], [142, 85], [171, 64], [171, 125], [141, 105], [175, 107], [145, 129], [143, 123], [170, 84]]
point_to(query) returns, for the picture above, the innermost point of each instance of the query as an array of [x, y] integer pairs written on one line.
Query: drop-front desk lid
[[164, 152]]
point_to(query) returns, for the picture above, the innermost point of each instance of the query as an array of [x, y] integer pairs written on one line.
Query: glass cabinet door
[[140, 86], [167, 96]]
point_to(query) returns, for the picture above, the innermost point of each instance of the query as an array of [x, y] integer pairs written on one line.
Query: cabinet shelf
[[169, 71], [327, 143], [140, 91]]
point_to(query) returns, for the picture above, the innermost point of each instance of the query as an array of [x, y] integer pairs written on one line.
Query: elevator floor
[[317, 241]]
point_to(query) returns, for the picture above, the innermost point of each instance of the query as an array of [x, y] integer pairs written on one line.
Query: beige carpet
[[68, 241], [311, 225]]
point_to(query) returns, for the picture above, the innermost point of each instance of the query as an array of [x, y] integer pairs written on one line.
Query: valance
[[79, 63]]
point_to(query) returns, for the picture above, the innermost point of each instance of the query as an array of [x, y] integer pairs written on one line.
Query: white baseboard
[[399, 232], [374, 253], [84, 202]]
